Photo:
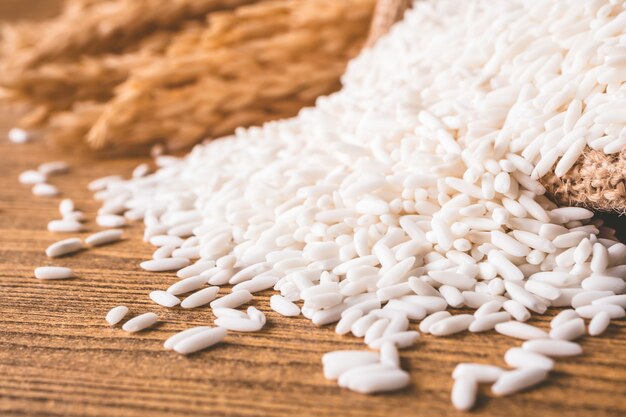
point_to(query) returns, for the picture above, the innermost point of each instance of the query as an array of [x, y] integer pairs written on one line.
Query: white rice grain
[[116, 314], [65, 226], [232, 300], [464, 393], [64, 247], [589, 311], [165, 264], [32, 177], [141, 322], [239, 324], [17, 135], [174, 339], [200, 298], [337, 362], [553, 348], [479, 372], [45, 190], [200, 340], [53, 272], [599, 323], [104, 237], [164, 298], [451, 325], [520, 379], [520, 330]]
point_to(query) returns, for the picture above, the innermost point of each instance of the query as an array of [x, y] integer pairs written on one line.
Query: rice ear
[[185, 80], [280, 65]]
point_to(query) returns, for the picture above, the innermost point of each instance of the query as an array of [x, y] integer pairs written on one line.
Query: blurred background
[[11, 10], [115, 77]]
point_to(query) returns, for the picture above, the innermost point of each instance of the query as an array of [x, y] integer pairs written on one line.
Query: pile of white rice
[[413, 190]]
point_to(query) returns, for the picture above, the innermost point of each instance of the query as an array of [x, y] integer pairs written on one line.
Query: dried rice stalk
[[257, 63], [92, 47], [596, 181], [182, 81], [386, 14], [109, 26], [89, 78]]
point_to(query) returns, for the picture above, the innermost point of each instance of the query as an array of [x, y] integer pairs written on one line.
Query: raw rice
[[256, 314], [232, 300], [18, 136], [464, 393], [104, 237], [433, 318], [199, 340], [116, 314], [389, 379], [412, 190], [517, 380], [520, 330], [229, 312], [337, 362], [76, 216], [520, 358], [32, 177], [589, 311], [187, 285], [195, 269], [599, 323], [389, 355], [479, 372], [65, 226], [554, 348], [451, 325], [141, 322], [110, 221], [53, 168], [45, 190], [174, 339], [570, 330], [200, 298], [163, 252], [164, 298], [488, 321], [401, 340], [165, 264], [66, 206], [283, 306], [53, 272], [619, 300], [563, 317], [239, 324]]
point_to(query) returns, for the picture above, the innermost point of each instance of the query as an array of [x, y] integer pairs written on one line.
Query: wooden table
[[59, 358]]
